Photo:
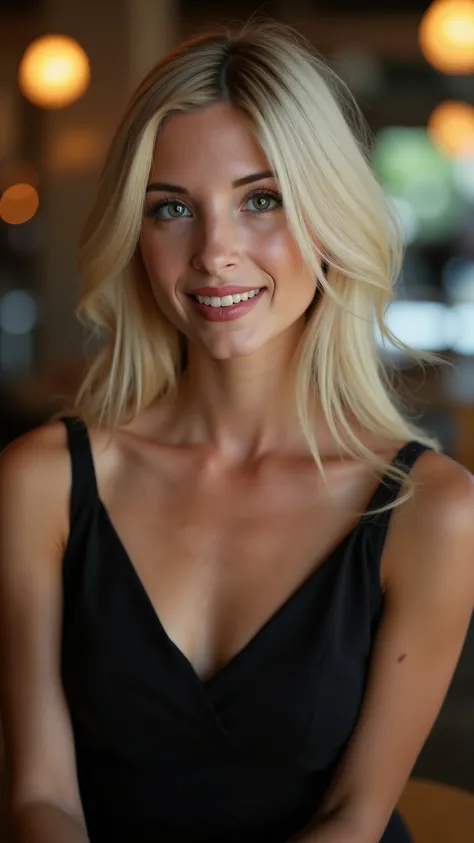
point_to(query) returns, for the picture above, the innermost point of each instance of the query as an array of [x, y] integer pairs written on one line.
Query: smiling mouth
[[226, 308], [227, 301]]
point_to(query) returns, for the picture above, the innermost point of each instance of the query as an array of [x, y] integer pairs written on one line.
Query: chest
[[219, 556]]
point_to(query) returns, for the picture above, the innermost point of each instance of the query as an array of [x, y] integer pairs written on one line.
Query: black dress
[[163, 757]]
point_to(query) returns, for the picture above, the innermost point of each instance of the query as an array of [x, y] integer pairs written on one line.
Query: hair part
[[316, 142]]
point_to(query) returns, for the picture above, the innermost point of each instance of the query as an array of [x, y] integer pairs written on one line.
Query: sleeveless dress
[[244, 757]]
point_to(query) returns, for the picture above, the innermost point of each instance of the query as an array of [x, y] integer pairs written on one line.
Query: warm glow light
[[54, 71], [19, 203], [73, 149], [451, 126], [447, 36]]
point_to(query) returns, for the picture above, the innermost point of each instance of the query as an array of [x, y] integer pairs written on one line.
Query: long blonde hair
[[315, 140]]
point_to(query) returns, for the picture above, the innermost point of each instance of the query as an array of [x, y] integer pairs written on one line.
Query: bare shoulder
[[37, 453], [35, 477], [432, 535], [437, 471], [443, 496]]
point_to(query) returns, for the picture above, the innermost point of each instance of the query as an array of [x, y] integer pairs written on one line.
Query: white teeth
[[226, 301]]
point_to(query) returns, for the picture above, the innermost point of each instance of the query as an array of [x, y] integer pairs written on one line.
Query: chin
[[228, 350], [230, 354]]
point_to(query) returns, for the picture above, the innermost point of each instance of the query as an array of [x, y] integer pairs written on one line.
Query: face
[[214, 227]]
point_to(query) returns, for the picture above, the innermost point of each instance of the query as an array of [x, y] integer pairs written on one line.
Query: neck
[[243, 407]]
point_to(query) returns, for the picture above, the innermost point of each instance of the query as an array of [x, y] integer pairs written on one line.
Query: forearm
[[42, 822], [333, 829]]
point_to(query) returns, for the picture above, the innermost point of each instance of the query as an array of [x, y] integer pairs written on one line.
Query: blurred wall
[[126, 39]]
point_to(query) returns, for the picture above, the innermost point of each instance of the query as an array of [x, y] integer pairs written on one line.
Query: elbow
[[348, 825]]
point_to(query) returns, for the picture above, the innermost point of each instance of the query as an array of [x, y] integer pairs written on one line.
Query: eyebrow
[[175, 188]]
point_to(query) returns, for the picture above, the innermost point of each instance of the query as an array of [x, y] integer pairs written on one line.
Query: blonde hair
[[315, 140]]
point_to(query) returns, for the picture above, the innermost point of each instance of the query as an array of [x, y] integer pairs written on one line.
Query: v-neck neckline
[[225, 669], [80, 447]]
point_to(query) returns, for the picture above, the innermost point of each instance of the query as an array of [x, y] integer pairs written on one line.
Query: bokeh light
[[19, 203], [407, 217], [420, 181], [18, 312], [446, 36], [464, 175], [54, 71], [451, 126], [424, 325]]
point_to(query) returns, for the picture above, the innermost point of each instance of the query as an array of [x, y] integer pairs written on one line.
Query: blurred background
[[66, 72]]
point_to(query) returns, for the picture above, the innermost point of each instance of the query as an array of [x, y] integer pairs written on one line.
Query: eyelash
[[164, 203]]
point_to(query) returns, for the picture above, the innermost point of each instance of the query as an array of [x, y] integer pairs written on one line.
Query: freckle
[[402, 658]]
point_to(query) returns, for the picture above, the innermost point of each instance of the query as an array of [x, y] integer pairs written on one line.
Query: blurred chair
[[437, 813]]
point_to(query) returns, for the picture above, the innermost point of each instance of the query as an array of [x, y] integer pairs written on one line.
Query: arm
[[429, 594], [43, 796], [40, 822]]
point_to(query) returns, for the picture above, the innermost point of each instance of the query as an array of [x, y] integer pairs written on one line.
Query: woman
[[235, 618]]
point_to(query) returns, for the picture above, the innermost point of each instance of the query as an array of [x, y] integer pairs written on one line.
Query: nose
[[218, 249]]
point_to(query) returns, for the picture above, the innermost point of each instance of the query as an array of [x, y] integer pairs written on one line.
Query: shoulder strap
[[388, 489], [84, 490], [379, 523]]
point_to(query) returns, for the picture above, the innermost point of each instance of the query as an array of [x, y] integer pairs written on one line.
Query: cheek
[[151, 255], [285, 262], [280, 247], [160, 274], [163, 265]]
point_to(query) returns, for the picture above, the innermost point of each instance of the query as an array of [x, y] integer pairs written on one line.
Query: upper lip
[[222, 291]]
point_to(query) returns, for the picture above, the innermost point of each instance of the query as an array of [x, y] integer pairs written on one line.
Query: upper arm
[[427, 608], [34, 479]]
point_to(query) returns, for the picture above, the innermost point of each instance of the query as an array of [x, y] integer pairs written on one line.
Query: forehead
[[217, 141]]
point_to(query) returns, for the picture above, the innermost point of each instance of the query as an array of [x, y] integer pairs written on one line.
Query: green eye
[[264, 201], [168, 210], [176, 209], [261, 202]]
